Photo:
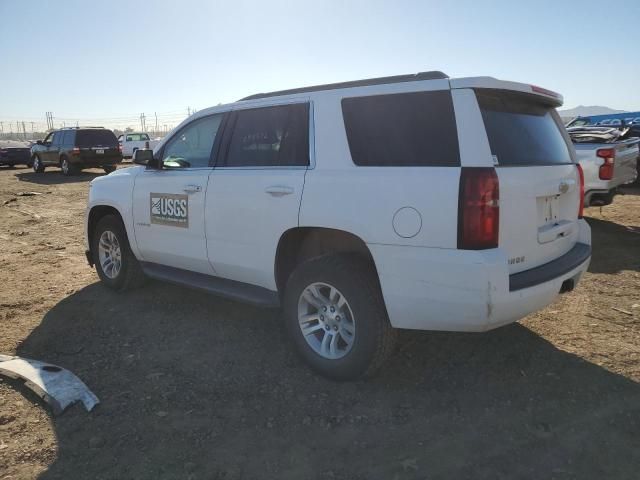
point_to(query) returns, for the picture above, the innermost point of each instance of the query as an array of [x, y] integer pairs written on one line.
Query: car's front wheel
[[336, 316], [115, 263], [37, 164]]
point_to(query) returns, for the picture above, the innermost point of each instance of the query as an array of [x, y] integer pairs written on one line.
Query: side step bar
[[222, 287]]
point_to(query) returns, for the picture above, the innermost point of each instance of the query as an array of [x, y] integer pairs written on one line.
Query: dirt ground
[[195, 387]]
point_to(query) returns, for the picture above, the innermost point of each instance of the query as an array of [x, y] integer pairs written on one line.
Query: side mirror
[[39, 142], [145, 157]]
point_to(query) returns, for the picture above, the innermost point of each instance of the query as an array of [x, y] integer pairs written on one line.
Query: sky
[[111, 60]]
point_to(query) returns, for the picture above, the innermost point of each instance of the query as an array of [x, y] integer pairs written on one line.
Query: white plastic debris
[[55, 385]]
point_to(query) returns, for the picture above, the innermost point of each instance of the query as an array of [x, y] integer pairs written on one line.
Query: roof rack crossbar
[[413, 77]]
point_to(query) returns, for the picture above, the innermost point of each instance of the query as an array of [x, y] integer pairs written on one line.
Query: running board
[[222, 287]]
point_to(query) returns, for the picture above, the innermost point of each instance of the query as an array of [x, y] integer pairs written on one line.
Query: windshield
[[96, 138]]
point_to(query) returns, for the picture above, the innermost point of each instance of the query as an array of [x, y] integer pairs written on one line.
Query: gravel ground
[[195, 387]]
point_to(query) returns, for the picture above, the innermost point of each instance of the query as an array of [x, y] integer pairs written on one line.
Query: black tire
[[68, 168], [109, 168], [357, 281], [37, 164], [130, 275]]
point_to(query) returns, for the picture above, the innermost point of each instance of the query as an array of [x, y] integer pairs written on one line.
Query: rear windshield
[[402, 129], [96, 138], [522, 130]]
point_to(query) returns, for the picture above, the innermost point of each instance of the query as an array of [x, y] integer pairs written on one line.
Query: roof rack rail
[[412, 77], [76, 128]]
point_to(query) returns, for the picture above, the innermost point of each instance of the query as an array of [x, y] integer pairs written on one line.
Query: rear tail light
[[478, 209], [609, 156], [581, 201], [75, 151]]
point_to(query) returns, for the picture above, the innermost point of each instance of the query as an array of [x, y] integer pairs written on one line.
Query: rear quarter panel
[[364, 200]]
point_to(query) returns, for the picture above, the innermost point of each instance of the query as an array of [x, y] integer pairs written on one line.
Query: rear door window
[[68, 138], [522, 129], [269, 137], [401, 130], [96, 138]]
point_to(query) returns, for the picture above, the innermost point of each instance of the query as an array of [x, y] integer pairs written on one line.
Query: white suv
[[415, 201]]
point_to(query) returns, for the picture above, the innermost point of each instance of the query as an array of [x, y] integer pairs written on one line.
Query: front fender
[[114, 191]]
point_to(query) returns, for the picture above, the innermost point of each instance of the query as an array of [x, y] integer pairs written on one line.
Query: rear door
[[538, 180], [97, 145], [255, 190]]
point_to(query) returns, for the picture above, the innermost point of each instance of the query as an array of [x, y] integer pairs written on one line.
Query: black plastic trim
[[575, 257], [222, 287], [413, 77]]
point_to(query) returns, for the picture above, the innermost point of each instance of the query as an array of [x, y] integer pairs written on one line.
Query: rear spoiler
[[493, 83]]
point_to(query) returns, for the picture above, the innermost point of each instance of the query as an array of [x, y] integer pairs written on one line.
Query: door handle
[[192, 188], [278, 190]]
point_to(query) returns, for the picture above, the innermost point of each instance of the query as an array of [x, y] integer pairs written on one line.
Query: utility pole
[[188, 111], [143, 125], [156, 114], [32, 129]]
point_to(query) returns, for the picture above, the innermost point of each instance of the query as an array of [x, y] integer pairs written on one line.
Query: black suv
[[73, 149]]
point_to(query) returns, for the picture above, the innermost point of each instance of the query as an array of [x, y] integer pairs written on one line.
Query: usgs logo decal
[[169, 209]]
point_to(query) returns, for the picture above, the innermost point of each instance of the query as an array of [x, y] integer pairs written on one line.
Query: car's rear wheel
[[115, 263], [67, 167], [109, 168], [336, 316], [37, 164]]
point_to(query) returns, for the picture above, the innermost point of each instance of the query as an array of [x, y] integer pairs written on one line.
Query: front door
[[50, 155], [169, 217]]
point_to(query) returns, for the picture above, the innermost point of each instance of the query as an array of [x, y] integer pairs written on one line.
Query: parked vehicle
[[13, 152], [75, 148], [608, 159], [414, 201], [130, 142], [629, 120]]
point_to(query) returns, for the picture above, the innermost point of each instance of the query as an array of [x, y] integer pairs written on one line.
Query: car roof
[[413, 77]]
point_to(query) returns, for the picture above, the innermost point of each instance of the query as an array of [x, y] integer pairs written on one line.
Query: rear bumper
[[457, 290], [96, 162]]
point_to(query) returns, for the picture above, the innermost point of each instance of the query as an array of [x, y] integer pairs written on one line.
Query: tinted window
[[191, 147], [522, 130], [404, 129], [268, 137], [96, 138], [56, 138], [68, 138]]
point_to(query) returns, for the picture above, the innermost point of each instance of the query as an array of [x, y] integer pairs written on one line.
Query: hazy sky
[[111, 60]]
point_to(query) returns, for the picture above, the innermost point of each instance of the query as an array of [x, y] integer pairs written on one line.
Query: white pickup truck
[[608, 160], [130, 142]]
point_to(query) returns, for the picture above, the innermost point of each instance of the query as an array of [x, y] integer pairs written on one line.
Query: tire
[[355, 280], [129, 275], [109, 168], [37, 165], [68, 168]]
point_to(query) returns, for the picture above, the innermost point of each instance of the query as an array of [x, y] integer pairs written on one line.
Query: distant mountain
[[585, 111]]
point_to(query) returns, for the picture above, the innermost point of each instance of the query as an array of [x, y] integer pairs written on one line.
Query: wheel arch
[[299, 244], [96, 213]]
